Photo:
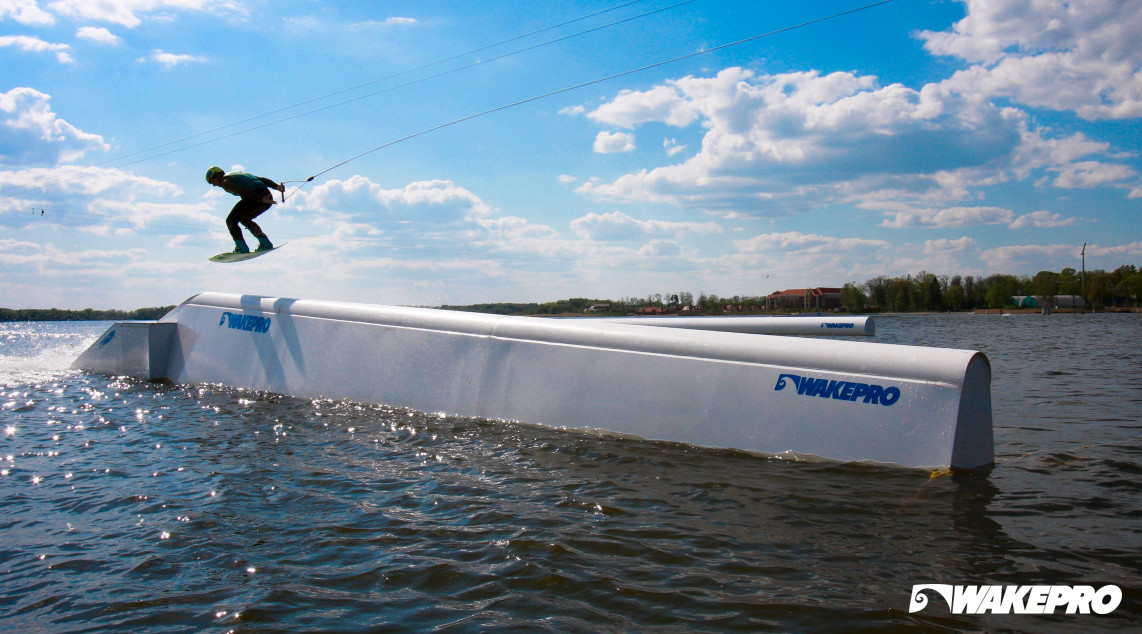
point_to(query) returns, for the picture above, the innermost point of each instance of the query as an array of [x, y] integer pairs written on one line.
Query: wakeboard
[[238, 257]]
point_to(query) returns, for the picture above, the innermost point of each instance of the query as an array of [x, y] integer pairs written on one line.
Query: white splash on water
[[33, 353]]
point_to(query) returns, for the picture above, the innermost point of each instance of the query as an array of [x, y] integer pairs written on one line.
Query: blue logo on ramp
[[249, 323], [840, 390]]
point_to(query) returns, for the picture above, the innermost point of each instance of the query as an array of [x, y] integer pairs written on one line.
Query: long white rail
[[809, 325], [843, 400]]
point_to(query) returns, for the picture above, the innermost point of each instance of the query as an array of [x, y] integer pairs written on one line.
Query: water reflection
[[131, 505]]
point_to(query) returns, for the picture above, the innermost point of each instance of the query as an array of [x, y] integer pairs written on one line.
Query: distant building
[[1054, 301], [819, 298], [597, 308], [650, 310], [1068, 301]]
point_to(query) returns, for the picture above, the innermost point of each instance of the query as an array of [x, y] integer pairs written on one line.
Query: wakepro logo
[[106, 340], [249, 323], [831, 324], [840, 390], [1019, 599]]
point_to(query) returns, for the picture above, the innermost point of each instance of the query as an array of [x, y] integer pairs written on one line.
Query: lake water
[[142, 507]]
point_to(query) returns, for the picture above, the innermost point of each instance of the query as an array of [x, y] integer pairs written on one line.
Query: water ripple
[[136, 506]]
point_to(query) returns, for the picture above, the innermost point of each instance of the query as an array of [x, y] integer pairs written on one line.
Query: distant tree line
[[922, 292], [1121, 287], [669, 302], [87, 314]]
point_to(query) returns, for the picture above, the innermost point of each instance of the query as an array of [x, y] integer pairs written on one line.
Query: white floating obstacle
[[809, 325], [842, 400]]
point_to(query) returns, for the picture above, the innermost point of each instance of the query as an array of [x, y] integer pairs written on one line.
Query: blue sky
[[955, 137]]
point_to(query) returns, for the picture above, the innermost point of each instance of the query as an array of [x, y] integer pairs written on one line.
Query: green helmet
[[212, 172]]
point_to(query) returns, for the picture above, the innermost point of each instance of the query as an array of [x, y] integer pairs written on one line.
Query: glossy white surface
[[843, 400]]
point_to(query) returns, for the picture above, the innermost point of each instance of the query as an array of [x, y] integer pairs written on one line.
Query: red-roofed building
[[819, 298]]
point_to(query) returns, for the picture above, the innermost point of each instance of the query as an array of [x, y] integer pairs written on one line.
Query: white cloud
[[31, 134], [520, 237], [145, 214], [776, 138], [1036, 151], [86, 181], [781, 144], [661, 248], [947, 217], [18, 254], [1052, 257], [944, 245], [98, 35], [1087, 174], [512, 234], [1031, 257], [444, 232], [170, 60], [614, 142], [30, 44], [86, 261], [1042, 218], [662, 103], [794, 259], [25, 12], [368, 25], [97, 201], [619, 226], [127, 12], [804, 242], [777, 145], [1080, 56], [567, 179], [671, 146], [435, 205], [1129, 251], [594, 248]]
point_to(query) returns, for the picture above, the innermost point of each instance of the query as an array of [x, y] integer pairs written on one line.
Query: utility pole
[[1082, 280]]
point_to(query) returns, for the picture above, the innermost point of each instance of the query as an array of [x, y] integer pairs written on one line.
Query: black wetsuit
[[256, 199]]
